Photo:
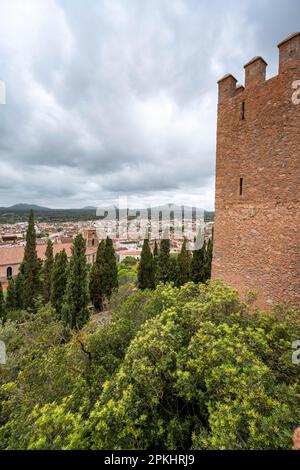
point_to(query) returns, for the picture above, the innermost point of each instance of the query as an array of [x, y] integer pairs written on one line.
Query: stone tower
[[90, 237], [257, 226]]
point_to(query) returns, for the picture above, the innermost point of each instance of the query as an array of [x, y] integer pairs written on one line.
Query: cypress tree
[[197, 265], [74, 310], [163, 262], [110, 268], [59, 280], [2, 304], [18, 286], [155, 262], [11, 296], [174, 271], [155, 251], [208, 260], [146, 268], [184, 264], [98, 282], [31, 268], [47, 272]]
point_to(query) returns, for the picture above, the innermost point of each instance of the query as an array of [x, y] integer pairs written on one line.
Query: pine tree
[[146, 268], [2, 304], [163, 262], [197, 265], [59, 281], [11, 296], [110, 268], [98, 283], [74, 310], [184, 263], [47, 272], [31, 266]]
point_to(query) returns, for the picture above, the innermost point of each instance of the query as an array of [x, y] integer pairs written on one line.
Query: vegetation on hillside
[[175, 364], [176, 368]]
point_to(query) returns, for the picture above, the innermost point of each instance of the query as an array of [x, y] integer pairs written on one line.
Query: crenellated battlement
[[255, 69]]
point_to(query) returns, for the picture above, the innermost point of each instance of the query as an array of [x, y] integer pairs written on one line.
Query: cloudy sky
[[108, 98]]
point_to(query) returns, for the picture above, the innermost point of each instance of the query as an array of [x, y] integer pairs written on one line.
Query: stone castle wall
[[257, 226]]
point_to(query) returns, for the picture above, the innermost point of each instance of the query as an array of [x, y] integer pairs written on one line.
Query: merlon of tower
[[227, 87], [255, 71], [289, 52]]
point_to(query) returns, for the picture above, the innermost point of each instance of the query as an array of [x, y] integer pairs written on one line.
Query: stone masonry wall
[[257, 226]]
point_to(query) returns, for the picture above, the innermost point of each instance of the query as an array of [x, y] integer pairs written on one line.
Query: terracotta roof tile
[[15, 254], [129, 252]]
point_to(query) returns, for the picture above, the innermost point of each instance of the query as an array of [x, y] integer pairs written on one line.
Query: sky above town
[[117, 98]]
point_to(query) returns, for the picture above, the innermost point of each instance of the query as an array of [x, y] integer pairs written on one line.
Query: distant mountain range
[[34, 207], [25, 207], [19, 213]]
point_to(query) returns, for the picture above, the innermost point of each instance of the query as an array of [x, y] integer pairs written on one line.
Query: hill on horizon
[[19, 213], [26, 207]]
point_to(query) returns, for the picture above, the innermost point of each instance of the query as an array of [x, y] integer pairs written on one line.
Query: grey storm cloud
[[108, 97]]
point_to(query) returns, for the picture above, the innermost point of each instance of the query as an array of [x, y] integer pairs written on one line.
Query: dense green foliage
[[98, 281], [2, 304], [184, 264], [163, 265], [180, 365], [110, 268], [103, 275], [14, 295], [198, 265], [47, 272], [175, 368], [128, 272], [31, 269], [74, 311], [18, 288], [146, 268], [59, 281], [208, 254], [11, 296], [155, 249]]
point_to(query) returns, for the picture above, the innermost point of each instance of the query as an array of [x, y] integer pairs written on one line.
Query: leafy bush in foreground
[[176, 368]]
